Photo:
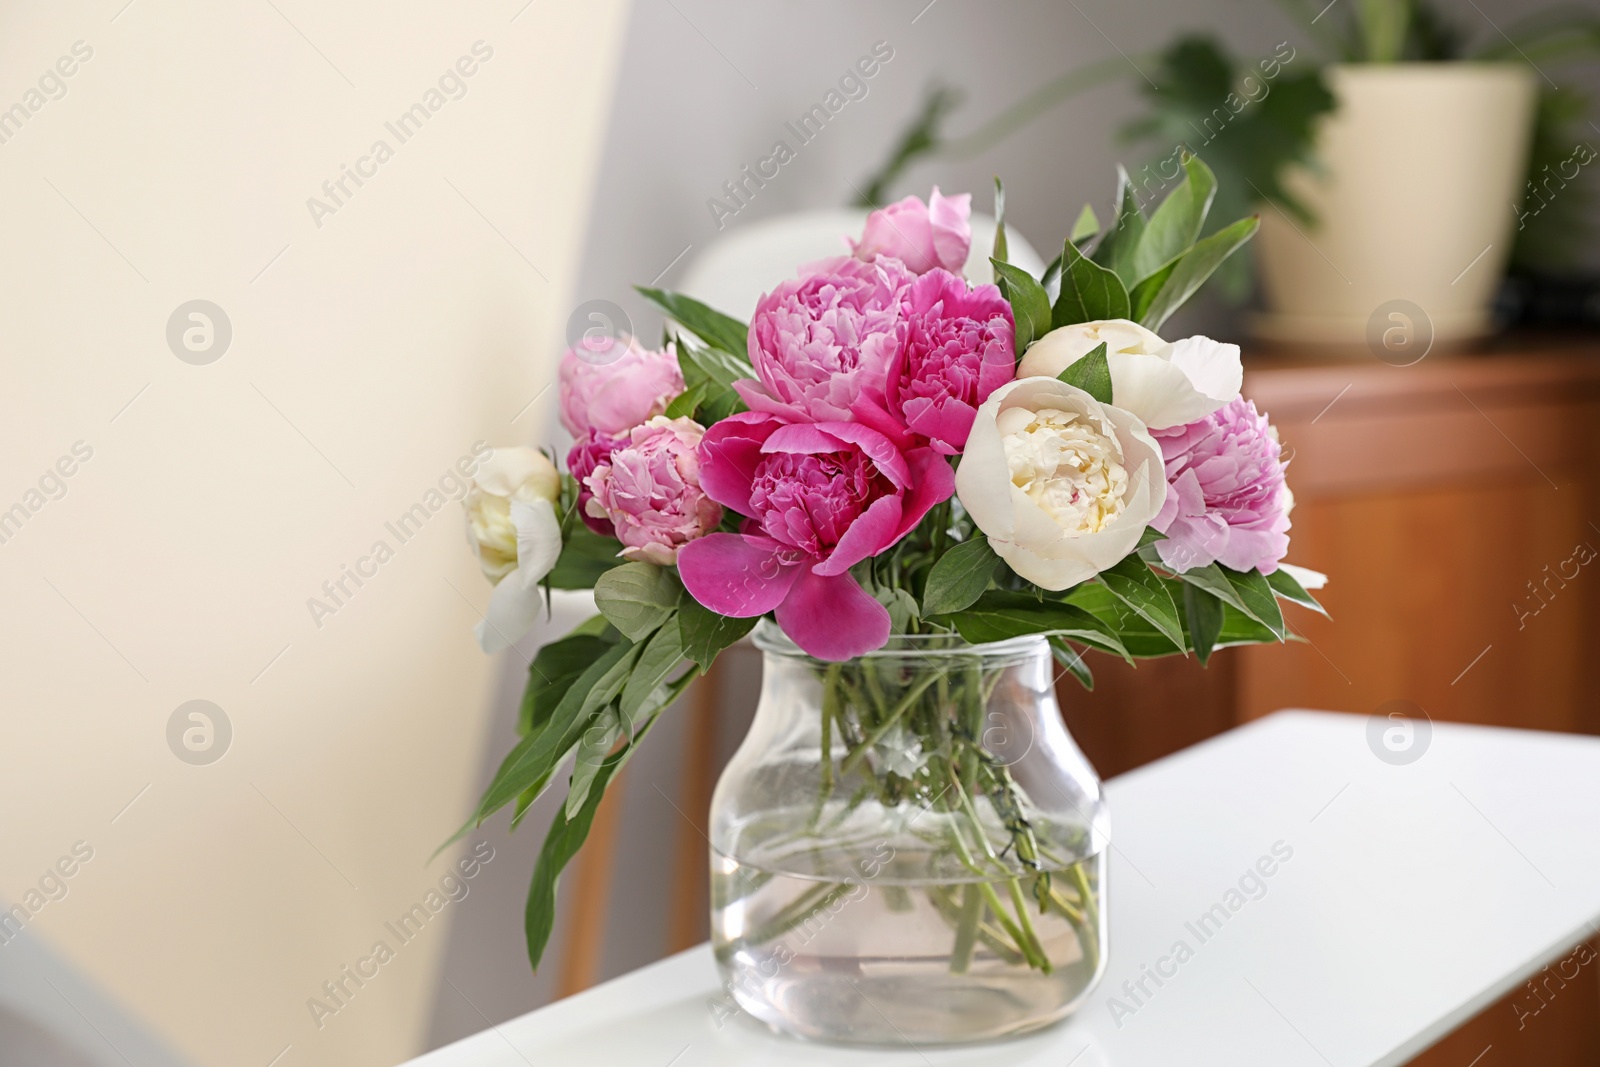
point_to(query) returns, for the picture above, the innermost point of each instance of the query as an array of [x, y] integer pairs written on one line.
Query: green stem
[[797, 911], [854, 759], [966, 929]]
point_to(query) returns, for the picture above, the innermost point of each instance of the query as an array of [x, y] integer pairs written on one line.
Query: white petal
[[1308, 578], [513, 609], [510, 469], [538, 539], [1062, 347], [983, 481], [1157, 391], [1214, 368]]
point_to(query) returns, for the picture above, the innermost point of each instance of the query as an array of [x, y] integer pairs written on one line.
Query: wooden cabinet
[[1455, 504]]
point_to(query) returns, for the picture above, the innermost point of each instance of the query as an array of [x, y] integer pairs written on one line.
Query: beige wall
[[368, 353]]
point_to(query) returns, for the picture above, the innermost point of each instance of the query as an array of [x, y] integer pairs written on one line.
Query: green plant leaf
[[585, 557], [1287, 586], [1137, 586], [1072, 661], [534, 759], [1203, 614], [1257, 599], [662, 656], [1030, 306], [711, 326], [593, 746], [554, 669], [1177, 223], [637, 597], [1089, 292], [1000, 250], [1144, 294], [1190, 272], [1000, 615], [1086, 228], [706, 633], [713, 372], [686, 403], [959, 577], [1123, 237], [1091, 373]]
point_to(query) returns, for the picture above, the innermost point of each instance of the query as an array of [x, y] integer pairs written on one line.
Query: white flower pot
[[1422, 172]]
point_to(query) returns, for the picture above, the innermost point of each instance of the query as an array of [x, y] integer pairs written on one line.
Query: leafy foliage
[[1091, 373]]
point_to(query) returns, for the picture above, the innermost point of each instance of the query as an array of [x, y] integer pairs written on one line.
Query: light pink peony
[[591, 450], [821, 498], [821, 341], [922, 236], [613, 395], [1227, 500], [959, 347], [650, 491]]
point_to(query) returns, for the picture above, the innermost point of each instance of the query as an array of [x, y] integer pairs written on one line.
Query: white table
[[1416, 896]]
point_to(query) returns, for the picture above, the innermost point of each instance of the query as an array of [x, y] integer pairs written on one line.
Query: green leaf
[[554, 669], [713, 372], [585, 558], [1089, 292], [561, 843], [1176, 224], [1087, 227], [1150, 536], [1257, 599], [706, 633], [593, 747], [637, 597], [1000, 615], [959, 577], [1287, 586], [685, 404], [1091, 373], [1203, 613], [1137, 634], [711, 326], [1137, 586], [1072, 661], [1190, 272], [662, 656], [1030, 306], [1000, 251], [534, 759], [1144, 294], [1117, 247]]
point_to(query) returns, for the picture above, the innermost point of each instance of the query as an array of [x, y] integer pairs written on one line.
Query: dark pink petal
[[831, 436], [933, 482], [729, 453], [832, 618], [736, 574], [873, 531]]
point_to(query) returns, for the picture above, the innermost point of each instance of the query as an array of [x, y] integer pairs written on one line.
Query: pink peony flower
[[650, 491], [959, 347], [922, 236], [821, 498], [1227, 500], [591, 450], [821, 341], [614, 393]]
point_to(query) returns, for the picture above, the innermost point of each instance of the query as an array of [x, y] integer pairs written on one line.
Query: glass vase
[[908, 848]]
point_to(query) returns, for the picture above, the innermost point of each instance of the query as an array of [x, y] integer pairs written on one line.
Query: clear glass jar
[[909, 848]]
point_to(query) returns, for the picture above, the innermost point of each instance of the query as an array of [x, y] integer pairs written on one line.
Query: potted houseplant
[[1397, 165]]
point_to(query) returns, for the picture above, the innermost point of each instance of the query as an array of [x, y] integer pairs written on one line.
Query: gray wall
[[706, 88]]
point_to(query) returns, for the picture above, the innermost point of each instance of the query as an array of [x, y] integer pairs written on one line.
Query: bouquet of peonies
[[888, 449]]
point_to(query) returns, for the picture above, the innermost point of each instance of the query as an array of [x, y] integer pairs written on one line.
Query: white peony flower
[[516, 535], [1063, 485], [1164, 384]]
